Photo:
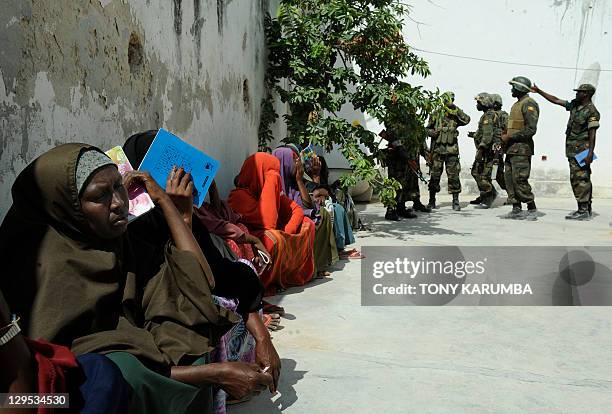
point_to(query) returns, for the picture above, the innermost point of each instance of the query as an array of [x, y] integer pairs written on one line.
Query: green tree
[[334, 52]]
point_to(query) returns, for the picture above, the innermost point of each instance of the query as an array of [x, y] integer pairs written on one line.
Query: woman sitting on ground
[[76, 281], [294, 187], [221, 221], [237, 286], [343, 230], [275, 219]]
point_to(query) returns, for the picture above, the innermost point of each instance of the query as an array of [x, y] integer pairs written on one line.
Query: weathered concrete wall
[[97, 71]]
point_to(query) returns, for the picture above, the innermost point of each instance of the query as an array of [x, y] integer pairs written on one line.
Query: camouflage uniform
[[522, 126], [411, 187], [582, 119], [396, 161], [484, 139], [502, 125], [445, 149]]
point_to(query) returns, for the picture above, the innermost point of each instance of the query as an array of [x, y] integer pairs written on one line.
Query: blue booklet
[[168, 150], [582, 155]]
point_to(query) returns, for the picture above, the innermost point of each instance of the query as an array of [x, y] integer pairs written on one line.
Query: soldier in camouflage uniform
[[484, 139], [518, 141], [396, 160], [411, 189], [502, 126], [444, 149], [579, 136]]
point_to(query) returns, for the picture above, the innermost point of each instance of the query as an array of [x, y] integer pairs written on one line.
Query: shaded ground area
[[341, 357]]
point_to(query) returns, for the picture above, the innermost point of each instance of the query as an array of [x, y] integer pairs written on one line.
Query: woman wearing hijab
[[75, 281], [237, 286], [275, 219], [294, 187], [343, 225]]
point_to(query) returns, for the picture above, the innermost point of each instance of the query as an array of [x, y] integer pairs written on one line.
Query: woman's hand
[[179, 187], [315, 168], [240, 379], [266, 356], [299, 169], [143, 178]]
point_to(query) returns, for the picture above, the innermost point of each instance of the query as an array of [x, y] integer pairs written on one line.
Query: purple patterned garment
[[236, 345], [287, 171]]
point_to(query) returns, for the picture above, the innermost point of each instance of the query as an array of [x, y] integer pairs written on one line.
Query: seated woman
[[292, 175], [275, 219], [219, 219], [75, 281], [343, 225], [237, 281]]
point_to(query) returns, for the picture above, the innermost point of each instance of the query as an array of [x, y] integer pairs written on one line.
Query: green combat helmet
[[485, 99], [497, 99], [521, 83]]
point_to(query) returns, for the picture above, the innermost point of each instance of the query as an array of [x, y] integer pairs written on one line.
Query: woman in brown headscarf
[[75, 281]]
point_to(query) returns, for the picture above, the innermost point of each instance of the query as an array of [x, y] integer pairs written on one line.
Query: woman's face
[[105, 203]]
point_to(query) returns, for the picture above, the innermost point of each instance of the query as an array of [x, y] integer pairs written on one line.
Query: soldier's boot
[[516, 212], [418, 206], [532, 212], [456, 205], [392, 215], [432, 200], [476, 201], [404, 212], [489, 199], [571, 215], [581, 214]]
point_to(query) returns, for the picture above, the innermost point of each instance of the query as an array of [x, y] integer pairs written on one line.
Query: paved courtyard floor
[[341, 357]]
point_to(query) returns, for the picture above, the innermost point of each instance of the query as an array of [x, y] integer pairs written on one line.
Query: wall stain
[[79, 73], [25, 136], [196, 31], [178, 16], [220, 15]]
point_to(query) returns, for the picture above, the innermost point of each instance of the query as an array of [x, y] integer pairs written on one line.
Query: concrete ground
[[340, 357]]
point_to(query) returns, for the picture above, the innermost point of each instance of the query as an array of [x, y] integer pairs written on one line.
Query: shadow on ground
[[264, 403], [426, 224]]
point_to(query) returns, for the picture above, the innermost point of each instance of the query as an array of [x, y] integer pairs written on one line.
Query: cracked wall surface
[[98, 71]]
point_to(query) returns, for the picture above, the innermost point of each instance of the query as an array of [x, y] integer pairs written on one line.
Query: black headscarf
[[232, 279]]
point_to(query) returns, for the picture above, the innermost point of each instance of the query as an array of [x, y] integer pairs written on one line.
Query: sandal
[[322, 274], [271, 321], [354, 254]]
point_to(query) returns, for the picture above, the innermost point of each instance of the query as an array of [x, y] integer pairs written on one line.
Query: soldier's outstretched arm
[[462, 118], [550, 98]]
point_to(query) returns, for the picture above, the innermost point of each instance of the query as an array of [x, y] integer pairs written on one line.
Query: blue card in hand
[[582, 155], [167, 151]]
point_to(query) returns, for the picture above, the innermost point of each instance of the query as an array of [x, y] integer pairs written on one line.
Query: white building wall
[[570, 33], [65, 76]]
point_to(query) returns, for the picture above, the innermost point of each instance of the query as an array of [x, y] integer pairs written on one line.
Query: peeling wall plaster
[[78, 71]]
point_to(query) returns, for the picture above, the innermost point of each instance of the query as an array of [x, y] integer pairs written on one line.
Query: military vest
[[448, 131], [516, 121]]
